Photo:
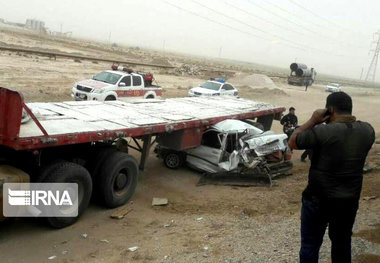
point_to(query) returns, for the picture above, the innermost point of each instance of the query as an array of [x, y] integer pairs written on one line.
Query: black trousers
[[339, 216], [306, 153]]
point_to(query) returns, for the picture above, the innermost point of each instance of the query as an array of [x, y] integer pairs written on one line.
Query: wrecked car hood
[[267, 143]]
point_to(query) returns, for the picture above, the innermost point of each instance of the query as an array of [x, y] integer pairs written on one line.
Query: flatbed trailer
[[88, 138]]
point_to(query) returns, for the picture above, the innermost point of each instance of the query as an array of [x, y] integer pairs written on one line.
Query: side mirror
[[122, 84]]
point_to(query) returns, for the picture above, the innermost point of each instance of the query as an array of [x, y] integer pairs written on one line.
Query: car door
[[137, 87], [227, 89], [124, 90], [206, 156]]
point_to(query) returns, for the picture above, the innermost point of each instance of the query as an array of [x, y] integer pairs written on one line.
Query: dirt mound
[[262, 92], [255, 80]]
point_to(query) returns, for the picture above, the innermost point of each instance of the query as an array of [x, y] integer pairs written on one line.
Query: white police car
[[214, 87], [333, 87]]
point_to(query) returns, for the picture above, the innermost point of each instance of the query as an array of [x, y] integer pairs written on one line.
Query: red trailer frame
[[12, 106], [79, 140]]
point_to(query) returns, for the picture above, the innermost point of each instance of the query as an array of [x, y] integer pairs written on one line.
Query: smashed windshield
[[107, 77], [211, 85]]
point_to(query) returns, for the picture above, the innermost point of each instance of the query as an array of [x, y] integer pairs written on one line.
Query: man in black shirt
[[332, 195], [289, 122]]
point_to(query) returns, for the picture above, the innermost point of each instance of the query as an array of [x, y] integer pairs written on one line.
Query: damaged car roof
[[231, 126]]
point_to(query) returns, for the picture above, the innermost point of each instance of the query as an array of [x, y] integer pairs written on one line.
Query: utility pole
[[220, 52], [163, 47], [371, 74], [361, 74]]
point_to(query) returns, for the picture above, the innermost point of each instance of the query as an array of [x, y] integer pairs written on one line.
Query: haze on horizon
[[334, 37]]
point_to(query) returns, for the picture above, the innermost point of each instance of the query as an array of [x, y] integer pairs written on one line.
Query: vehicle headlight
[[97, 90]]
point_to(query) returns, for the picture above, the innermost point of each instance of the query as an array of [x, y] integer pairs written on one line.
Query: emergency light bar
[[120, 68]]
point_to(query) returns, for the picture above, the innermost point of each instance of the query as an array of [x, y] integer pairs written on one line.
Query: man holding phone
[[332, 195]]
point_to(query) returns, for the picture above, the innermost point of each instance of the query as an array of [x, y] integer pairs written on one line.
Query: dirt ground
[[209, 223]]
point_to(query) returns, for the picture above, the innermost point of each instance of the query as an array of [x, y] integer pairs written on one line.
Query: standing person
[[289, 122], [307, 84], [305, 154], [331, 197]]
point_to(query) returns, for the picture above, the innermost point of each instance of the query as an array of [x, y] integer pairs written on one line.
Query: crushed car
[[234, 146]]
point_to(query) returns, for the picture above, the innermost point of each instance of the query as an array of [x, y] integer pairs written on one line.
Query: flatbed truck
[[86, 141]]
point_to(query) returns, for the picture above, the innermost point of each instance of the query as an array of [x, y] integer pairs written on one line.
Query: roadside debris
[[159, 201], [366, 198], [52, 257], [84, 235], [199, 219], [64, 252], [168, 225], [188, 69], [104, 241], [367, 168], [133, 249], [121, 213]]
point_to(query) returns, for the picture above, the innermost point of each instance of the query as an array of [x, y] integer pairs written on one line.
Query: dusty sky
[[334, 38]]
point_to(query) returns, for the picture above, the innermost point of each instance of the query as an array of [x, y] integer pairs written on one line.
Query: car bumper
[[81, 96]]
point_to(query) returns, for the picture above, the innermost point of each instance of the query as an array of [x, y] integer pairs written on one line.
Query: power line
[[281, 17], [215, 22], [308, 48], [299, 25], [291, 13], [320, 17], [263, 19], [253, 27], [303, 47]]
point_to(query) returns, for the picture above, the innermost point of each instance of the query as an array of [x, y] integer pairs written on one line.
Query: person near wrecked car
[[332, 195], [289, 122]]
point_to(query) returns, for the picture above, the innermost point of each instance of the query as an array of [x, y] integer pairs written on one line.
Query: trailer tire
[[100, 155], [67, 172], [117, 179], [48, 169], [174, 160]]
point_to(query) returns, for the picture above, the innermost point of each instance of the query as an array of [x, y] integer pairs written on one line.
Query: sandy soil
[[201, 223]]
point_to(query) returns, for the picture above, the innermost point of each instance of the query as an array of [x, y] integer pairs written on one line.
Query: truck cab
[[117, 84]]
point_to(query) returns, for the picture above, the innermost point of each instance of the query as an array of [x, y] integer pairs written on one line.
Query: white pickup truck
[[117, 84]]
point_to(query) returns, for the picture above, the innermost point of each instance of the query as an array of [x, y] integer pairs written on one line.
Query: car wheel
[[110, 97], [174, 160]]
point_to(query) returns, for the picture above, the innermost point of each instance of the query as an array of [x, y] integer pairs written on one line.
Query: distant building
[[35, 25]]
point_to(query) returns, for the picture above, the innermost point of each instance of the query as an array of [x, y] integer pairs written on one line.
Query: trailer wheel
[[98, 158], [174, 160], [67, 172], [117, 179], [48, 169]]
